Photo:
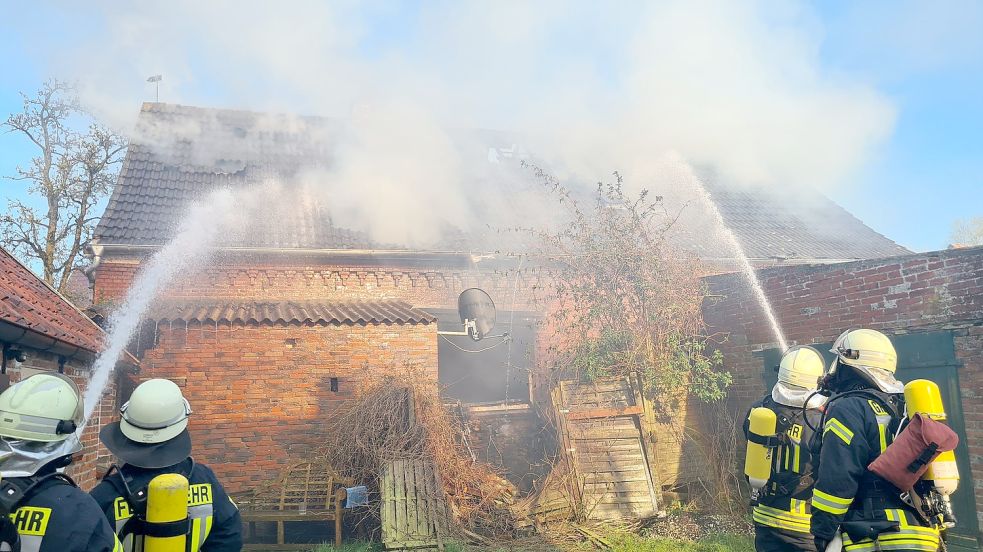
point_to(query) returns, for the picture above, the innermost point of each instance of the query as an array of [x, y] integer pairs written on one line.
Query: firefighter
[[43, 509], [781, 511], [860, 422], [151, 439]]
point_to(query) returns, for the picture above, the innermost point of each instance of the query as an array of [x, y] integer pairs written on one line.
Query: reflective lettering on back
[[121, 508], [876, 407], [200, 494], [795, 432], [31, 520]]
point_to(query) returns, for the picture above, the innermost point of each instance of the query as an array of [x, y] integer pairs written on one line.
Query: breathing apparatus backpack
[[137, 525], [13, 492], [766, 431], [919, 443]]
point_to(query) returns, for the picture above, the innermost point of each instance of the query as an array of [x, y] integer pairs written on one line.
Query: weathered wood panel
[[602, 436], [414, 512]]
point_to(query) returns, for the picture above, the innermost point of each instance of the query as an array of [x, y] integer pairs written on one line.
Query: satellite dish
[[477, 312]]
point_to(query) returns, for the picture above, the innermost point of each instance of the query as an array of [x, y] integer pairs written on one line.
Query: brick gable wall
[[814, 304]]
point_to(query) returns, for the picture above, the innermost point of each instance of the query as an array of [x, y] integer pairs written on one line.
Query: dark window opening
[[334, 385], [490, 370]]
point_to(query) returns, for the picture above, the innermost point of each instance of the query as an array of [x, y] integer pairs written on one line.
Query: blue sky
[[924, 63]]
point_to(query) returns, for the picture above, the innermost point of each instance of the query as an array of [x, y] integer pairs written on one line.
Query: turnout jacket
[[57, 516], [784, 501], [215, 521], [857, 429]]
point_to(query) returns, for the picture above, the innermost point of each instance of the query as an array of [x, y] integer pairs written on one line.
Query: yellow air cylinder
[[167, 500], [923, 397], [757, 462]]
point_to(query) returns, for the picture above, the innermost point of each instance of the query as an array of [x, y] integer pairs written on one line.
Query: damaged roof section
[[291, 312], [179, 154]]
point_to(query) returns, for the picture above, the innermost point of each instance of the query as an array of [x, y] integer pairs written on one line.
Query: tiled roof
[[181, 153], [797, 224], [361, 312], [29, 303]]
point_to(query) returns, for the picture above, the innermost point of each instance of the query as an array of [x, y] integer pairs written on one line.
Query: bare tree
[[968, 231], [70, 173]]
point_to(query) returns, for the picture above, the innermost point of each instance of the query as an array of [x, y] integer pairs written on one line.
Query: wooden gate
[[600, 425]]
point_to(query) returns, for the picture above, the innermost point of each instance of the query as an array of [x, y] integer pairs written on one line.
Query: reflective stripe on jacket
[[60, 517], [215, 521], [784, 503], [857, 430]]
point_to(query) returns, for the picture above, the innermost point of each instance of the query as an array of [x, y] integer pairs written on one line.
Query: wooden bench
[[303, 492]]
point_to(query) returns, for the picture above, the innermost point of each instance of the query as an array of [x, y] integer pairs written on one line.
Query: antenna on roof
[[156, 80]]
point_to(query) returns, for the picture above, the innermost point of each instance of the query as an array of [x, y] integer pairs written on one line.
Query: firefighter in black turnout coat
[[781, 513], [44, 511], [860, 422], [152, 439]]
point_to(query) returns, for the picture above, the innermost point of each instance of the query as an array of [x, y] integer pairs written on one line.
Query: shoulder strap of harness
[[16, 490], [892, 403], [137, 499]]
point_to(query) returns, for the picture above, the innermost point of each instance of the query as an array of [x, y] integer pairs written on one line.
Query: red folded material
[[907, 458]]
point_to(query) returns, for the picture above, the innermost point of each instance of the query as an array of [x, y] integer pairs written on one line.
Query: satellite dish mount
[[477, 312]]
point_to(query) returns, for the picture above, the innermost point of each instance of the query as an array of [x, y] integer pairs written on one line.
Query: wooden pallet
[[605, 448], [414, 511]]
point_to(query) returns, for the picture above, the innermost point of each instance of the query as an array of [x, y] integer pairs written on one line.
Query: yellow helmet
[[802, 367], [866, 349]]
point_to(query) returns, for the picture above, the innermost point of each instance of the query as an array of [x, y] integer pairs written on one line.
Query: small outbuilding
[[40, 331]]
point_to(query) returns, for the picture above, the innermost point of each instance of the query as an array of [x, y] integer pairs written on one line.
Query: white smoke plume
[[590, 87]]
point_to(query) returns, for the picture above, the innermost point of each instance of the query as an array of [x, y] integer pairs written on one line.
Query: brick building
[[53, 335], [284, 322], [930, 304]]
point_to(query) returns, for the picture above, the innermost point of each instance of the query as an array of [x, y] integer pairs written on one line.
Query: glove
[[821, 544]]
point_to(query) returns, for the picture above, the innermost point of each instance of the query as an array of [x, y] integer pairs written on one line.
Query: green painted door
[[925, 356]]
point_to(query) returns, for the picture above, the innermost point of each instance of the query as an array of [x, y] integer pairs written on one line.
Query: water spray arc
[[742, 259], [195, 236]]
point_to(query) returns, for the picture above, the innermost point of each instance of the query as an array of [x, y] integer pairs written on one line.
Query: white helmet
[[866, 348], [152, 431], [156, 412], [801, 367], [872, 354], [44, 407]]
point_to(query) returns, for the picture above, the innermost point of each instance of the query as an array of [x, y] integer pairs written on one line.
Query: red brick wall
[[260, 394], [813, 304], [285, 280], [94, 459]]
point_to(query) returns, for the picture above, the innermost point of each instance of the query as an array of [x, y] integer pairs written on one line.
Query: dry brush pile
[[400, 418]]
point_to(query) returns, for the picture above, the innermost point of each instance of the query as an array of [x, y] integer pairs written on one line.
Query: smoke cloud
[[738, 87]]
